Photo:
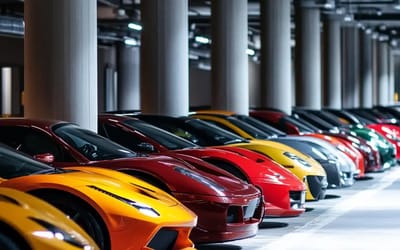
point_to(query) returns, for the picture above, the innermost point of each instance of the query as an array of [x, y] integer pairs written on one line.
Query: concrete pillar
[[366, 69], [391, 77], [375, 75], [307, 56], [276, 73], [61, 60], [128, 78], [164, 71], [350, 67], [396, 59], [6, 91], [332, 62], [229, 66], [383, 73], [107, 77]]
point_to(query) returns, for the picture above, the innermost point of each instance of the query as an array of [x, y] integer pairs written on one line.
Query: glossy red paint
[[278, 120], [218, 198], [279, 186]]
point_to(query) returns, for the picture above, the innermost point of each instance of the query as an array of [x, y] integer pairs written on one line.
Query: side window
[[121, 137], [33, 142], [12, 136], [36, 142]]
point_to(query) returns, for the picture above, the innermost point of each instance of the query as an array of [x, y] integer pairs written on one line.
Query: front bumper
[[220, 221]]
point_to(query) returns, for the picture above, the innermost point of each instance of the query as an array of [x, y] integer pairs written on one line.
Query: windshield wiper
[[235, 141], [50, 171]]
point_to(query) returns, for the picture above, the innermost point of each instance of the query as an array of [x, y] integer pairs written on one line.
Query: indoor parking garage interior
[[199, 124]]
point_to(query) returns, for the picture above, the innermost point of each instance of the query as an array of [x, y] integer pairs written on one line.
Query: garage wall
[[11, 51]]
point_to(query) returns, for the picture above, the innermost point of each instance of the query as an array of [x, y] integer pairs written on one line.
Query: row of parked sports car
[[158, 182]]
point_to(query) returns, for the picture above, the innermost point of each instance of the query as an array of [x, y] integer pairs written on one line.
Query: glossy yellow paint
[[40, 225]]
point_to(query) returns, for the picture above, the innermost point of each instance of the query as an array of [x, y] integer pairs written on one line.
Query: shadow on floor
[[309, 209], [332, 196], [271, 224], [217, 246], [364, 178]]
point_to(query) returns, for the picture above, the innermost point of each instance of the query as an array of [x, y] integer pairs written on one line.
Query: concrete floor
[[364, 216]]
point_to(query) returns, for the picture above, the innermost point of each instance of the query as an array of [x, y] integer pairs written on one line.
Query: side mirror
[[145, 147], [46, 158]]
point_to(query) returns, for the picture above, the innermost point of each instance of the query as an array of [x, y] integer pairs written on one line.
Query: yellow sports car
[[27, 222], [118, 211], [208, 134]]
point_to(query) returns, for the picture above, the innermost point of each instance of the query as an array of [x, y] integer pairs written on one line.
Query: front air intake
[[164, 239]]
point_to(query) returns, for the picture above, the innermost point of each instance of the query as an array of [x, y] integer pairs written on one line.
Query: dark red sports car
[[227, 208], [283, 191]]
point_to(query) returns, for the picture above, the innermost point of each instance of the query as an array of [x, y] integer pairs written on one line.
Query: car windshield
[[163, 137], [251, 130], [301, 126], [14, 164], [222, 136], [260, 125], [91, 145]]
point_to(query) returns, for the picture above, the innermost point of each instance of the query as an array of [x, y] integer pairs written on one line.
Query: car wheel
[[10, 239], [80, 212]]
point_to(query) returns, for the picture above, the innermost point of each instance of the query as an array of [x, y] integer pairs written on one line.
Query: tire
[[11, 240], [8, 243], [81, 213]]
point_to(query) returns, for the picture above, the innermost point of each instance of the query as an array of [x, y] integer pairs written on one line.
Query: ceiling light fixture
[[329, 4], [202, 39], [135, 26], [131, 42], [250, 52], [397, 5], [348, 17]]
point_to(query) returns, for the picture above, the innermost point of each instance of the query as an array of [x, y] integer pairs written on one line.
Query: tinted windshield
[[251, 130], [301, 126], [222, 136], [14, 164], [260, 125], [90, 144], [163, 137]]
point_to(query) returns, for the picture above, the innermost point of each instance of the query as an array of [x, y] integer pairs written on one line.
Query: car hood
[[254, 164], [178, 173]]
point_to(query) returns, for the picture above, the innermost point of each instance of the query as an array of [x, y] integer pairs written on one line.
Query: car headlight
[[143, 208], [53, 232], [296, 158], [199, 178]]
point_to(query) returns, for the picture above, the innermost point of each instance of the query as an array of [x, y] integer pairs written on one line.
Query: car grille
[[317, 185], [164, 239], [238, 214], [297, 199]]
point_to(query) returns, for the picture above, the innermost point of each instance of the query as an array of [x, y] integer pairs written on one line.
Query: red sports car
[[227, 208], [282, 190]]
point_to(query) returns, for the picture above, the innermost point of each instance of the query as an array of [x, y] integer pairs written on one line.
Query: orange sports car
[[110, 206]]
